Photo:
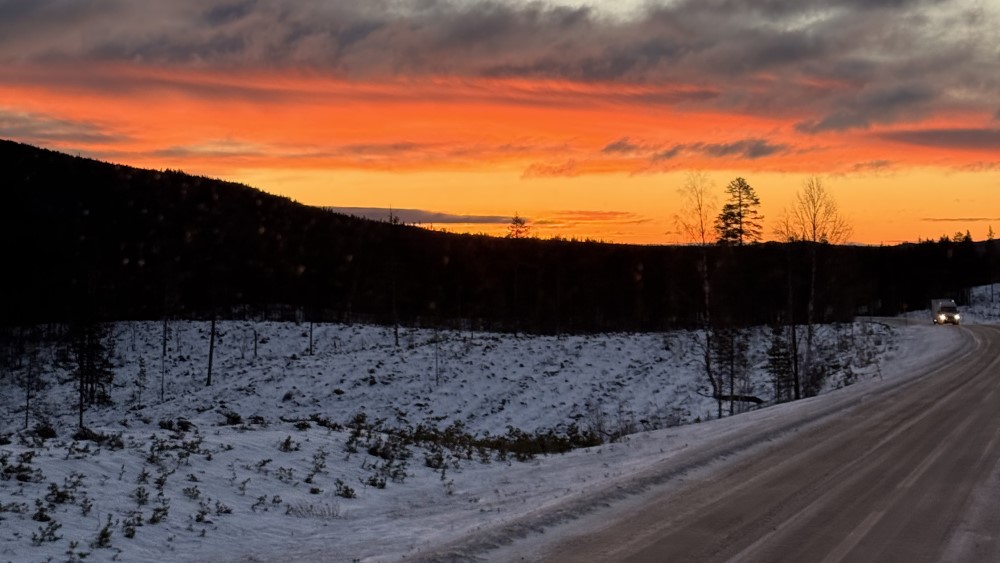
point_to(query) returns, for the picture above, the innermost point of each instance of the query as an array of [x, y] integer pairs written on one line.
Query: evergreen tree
[[518, 227], [731, 349], [779, 365], [739, 222], [92, 349]]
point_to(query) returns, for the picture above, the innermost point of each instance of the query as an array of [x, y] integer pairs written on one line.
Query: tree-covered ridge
[[87, 239]]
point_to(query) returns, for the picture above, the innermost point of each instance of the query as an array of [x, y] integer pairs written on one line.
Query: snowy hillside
[[360, 450]]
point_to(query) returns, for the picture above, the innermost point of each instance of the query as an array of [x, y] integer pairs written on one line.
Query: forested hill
[[87, 239]]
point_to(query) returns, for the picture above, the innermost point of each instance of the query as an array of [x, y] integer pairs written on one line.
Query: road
[[909, 475]]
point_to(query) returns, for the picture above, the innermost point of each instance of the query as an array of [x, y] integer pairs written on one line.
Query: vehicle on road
[[945, 311]]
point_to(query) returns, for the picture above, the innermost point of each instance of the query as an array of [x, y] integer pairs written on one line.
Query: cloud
[[750, 149], [831, 64], [747, 148], [567, 169], [43, 129], [621, 146], [214, 149], [418, 216], [381, 155], [877, 106], [871, 166], [960, 219], [963, 139], [594, 216]]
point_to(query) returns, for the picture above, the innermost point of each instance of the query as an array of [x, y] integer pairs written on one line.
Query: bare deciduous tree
[[694, 222], [816, 219]]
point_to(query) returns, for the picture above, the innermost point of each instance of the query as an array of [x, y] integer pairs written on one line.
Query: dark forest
[[88, 240]]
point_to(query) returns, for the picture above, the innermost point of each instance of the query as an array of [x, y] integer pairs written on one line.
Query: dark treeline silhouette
[[85, 241]]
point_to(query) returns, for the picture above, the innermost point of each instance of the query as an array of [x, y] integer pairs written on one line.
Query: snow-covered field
[[273, 462]]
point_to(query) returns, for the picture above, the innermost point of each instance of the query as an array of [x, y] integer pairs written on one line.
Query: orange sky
[[578, 156]]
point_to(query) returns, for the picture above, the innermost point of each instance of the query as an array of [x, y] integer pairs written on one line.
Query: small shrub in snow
[[13, 507], [326, 423], [232, 418], [59, 496], [343, 490], [103, 539], [160, 512], [261, 466], [192, 492], [141, 496], [376, 481], [132, 521], [285, 474], [288, 445], [161, 480], [42, 430], [41, 512], [46, 533], [74, 556]]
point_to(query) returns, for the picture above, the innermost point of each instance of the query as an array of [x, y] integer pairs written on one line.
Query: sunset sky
[[584, 117]]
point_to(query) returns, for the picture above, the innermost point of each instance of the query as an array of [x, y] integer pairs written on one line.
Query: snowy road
[[912, 474]]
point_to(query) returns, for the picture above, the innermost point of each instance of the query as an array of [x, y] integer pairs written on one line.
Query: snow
[[274, 484]]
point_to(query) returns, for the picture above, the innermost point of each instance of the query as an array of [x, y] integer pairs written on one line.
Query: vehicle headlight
[[941, 316], [957, 316]]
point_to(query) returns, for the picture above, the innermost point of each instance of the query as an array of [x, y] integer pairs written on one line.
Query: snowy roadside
[[265, 471], [650, 462]]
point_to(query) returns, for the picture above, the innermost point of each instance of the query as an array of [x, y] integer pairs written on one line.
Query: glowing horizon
[[583, 123]]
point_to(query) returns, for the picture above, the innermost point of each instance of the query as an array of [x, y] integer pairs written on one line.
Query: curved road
[[910, 475]]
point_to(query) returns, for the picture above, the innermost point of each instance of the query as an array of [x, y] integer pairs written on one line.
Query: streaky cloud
[[960, 219], [39, 128], [958, 138], [567, 169], [418, 216]]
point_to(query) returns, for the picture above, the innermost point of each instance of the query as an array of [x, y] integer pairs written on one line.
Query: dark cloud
[[872, 166], [418, 216], [226, 13], [975, 139], [960, 219], [747, 148], [751, 149], [214, 149], [568, 169], [595, 216], [833, 64], [668, 154], [41, 129], [881, 105], [381, 149], [621, 146]]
